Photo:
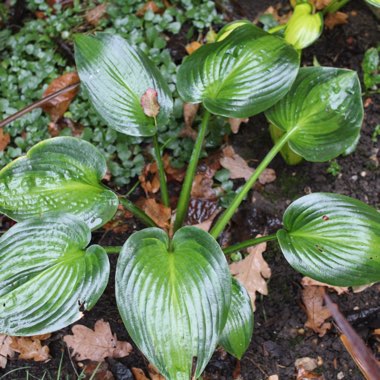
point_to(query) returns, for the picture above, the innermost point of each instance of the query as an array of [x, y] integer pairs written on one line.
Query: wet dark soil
[[279, 337]]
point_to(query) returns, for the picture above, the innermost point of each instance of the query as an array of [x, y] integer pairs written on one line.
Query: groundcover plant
[[174, 291]]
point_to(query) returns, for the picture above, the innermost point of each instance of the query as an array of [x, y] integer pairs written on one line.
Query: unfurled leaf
[[239, 168], [238, 331], [252, 272], [6, 350], [94, 15], [47, 275], [5, 139], [149, 102], [333, 239], [322, 112], [174, 298], [304, 27], [61, 174], [317, 313], [58, 106], [240, 76], [334, 19], [31, 348], [96, 344], [116, 76]]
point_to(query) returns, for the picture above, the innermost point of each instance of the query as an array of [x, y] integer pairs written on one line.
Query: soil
[[279, 337]]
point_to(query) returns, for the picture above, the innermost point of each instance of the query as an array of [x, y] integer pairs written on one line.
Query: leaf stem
[[137, 212], [37, 104], [229, 212], [113, 249], [184, 197], [161, 172], [334, 6], [248, 243]]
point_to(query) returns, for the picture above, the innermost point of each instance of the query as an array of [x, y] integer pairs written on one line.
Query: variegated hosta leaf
[[333, 239], [116, 76], [238, 331], [174, 297], [47, 276], [323, 112], [242, 75], [60, 174]]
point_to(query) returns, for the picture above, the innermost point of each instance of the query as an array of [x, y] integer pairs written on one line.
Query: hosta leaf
[[47, 276], [323, 111], [240, 76], [333, 239], [375, 3], [238, 331], [116, 76], [60, 174], [174, 297]]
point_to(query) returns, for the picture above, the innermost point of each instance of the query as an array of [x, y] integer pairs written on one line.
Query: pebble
[[340, 376]]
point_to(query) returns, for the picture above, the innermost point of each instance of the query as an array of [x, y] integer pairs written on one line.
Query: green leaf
[[240, 76], [375, 3], [47, 277], [304, 27], [332, 238], [371, 68], [238, 331], [116, 75], [174, 297], [322, 112], [59, 174], [290, 157]]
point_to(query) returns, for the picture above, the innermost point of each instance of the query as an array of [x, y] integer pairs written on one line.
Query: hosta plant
[[174, 291]]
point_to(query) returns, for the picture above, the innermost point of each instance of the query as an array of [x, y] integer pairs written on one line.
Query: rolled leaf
[[174, 298], [333, 239], [116, 76], [322, 112], [47, 276], [304, 27], [60, 174], [238, 331], [242, 75]]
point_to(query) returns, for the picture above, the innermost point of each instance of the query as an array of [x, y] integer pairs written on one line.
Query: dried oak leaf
[[156, 211], [239, 168], [97, 371], [235, 124], [192, 47], [31, 348], [253, 271], [316, 312], [189, 113], [307, 281], [173, 173], [149, 178], [334, 19], [149, 6], [6, 350], [153, 373], [94, 15], [149, 102], [5, 139], [97, 344], [58, 106], [138, 374]]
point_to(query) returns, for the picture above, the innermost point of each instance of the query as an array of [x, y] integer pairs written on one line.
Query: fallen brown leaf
[[153, 373], [97, 344], [31, 348], [138, 374], [192, 47], [235, 124], [274, 11], [6, 350], [303, 374], [93, 16], [320, 4], [149, 178], [58, 106], [149, 102], [316, 312], [97, 371], [273, 377], [173, 173], [189, 113], [253, 271], [334, 19], [156, 211], [239, 168], [307, 281], [149, 6], [5, 139]]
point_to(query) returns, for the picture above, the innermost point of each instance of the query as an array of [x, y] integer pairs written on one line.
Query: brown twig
[[37, 104], [363, 357]]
